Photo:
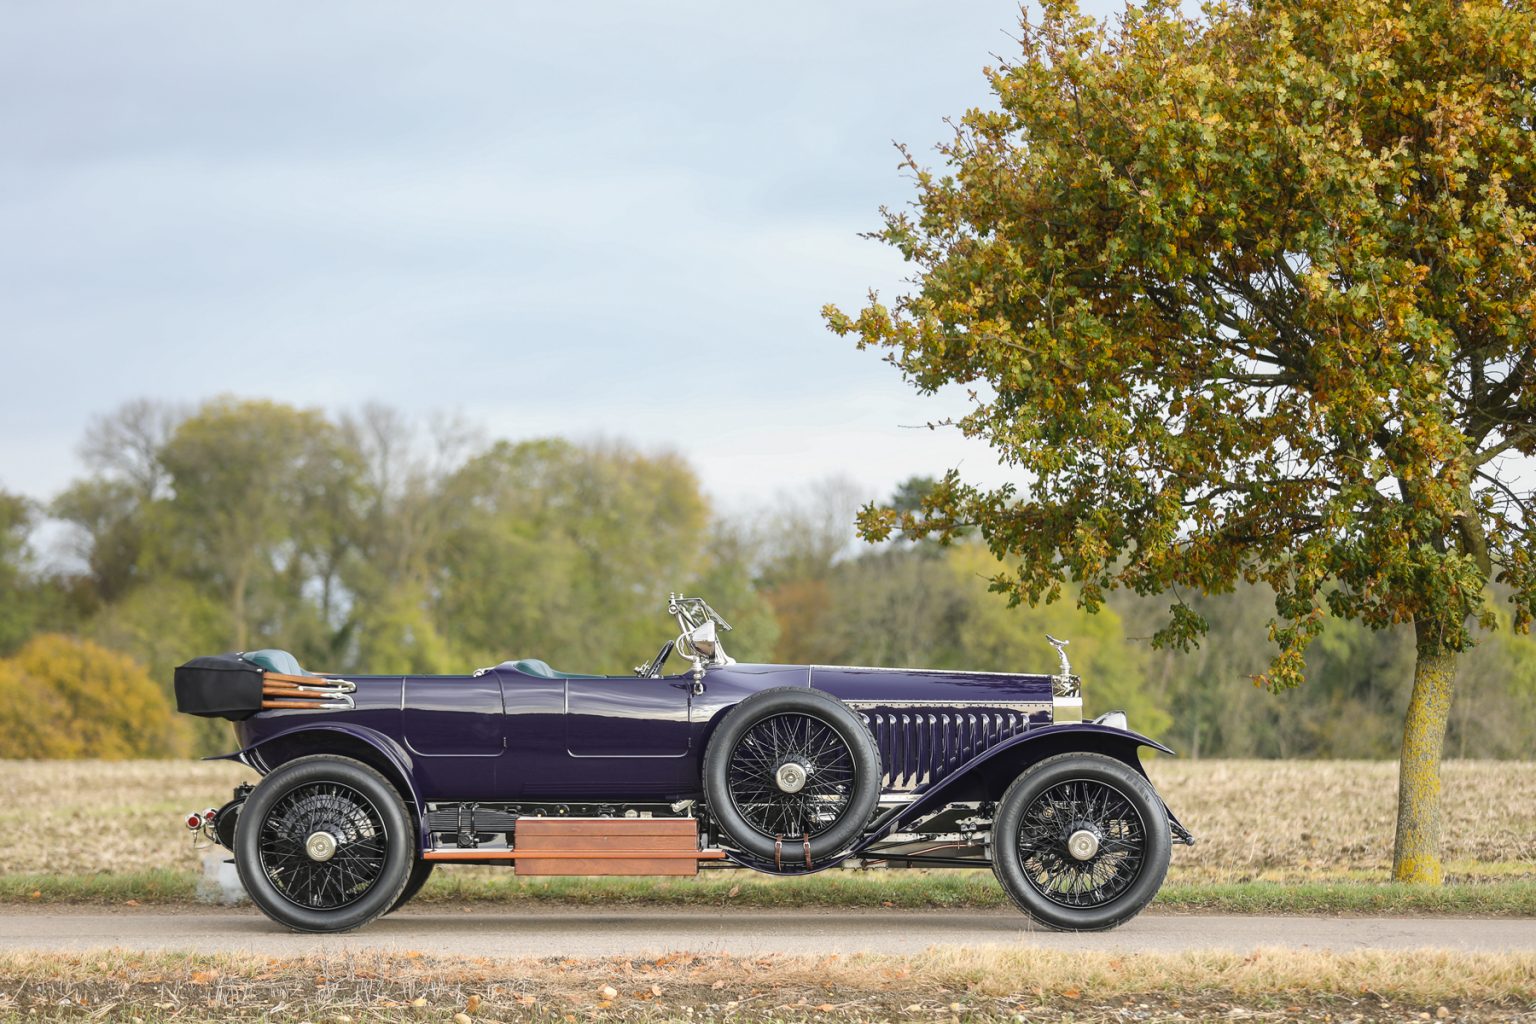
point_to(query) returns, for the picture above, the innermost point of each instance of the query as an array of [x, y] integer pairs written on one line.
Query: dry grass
[[942, 983], [1306, 820], [80, 817], [1255, 820]]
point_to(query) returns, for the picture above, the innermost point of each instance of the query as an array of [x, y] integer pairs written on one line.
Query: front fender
[[345, 739], [988, 774]]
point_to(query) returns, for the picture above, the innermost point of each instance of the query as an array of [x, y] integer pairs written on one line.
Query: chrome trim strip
[[1038, 705], [942, 671]]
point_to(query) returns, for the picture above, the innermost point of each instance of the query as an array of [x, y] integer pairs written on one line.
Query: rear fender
[[342, 739], [990, 773]]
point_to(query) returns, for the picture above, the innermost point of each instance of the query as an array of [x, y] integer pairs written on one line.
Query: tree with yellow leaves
[[63, 698], [1246, 296]]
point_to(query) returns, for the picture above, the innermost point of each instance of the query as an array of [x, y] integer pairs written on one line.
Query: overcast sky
[[578, 219]]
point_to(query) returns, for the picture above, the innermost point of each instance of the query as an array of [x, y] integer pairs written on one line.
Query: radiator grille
[[920, 745]]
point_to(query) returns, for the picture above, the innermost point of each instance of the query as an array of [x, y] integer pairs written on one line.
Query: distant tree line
[[366, 542]]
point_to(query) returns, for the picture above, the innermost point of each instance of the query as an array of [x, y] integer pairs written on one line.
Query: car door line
[[645, 734]]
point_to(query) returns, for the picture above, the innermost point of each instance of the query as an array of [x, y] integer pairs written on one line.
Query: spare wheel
[[789, 766]]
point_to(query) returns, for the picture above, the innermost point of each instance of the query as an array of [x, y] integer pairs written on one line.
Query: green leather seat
[[274, 660], [535, 667]]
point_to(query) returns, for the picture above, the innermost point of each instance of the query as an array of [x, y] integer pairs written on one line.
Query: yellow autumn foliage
[[63, 697]]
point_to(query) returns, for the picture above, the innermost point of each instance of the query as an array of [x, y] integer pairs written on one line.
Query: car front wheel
[[1081, 842], [324, 844]]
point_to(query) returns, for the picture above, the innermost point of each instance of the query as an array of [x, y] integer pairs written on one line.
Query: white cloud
[[618, 220]]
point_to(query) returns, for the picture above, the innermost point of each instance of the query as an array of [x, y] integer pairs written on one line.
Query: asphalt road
[[637, 932]]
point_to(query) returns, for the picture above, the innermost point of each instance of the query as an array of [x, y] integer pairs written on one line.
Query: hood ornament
[[1066, 688], [1061, 651]]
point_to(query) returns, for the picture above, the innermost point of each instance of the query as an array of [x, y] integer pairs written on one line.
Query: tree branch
[[1517, 435]]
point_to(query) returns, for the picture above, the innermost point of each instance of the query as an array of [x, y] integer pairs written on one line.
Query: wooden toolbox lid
[[541, 827]]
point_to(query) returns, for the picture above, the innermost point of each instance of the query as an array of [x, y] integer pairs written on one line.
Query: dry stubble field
[[1255, 820]]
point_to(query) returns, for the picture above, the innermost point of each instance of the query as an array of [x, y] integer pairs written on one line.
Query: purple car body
[[506, 736], [953, 756]]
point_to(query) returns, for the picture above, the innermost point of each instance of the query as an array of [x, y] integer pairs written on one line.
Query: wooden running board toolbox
[[607, 846]]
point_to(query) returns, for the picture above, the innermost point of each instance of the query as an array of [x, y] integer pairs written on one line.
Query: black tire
[[1058, 798], [840, 786], [420, 872], [370, 833]]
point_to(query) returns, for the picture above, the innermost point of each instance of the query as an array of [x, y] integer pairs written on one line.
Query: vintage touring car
[[370, 781]]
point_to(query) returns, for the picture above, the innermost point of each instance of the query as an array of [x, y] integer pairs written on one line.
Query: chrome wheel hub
[[1083, 844], [791, 777], [320, 846]]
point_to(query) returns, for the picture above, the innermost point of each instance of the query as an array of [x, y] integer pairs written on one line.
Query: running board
[[487, 855], [595, 846]]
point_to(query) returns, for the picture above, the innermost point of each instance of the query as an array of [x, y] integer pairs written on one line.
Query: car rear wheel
[[324, 844], [792, 771], [1081, 842], [420, 872]]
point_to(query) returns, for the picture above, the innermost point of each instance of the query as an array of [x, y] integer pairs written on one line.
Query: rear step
[[595, 846]]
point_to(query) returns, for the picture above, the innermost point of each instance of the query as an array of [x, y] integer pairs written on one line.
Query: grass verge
[[157, 885], [944, 983], [861, 889], [1470, 899]]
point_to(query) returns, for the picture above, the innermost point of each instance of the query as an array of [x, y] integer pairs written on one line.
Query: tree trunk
[[1416, 857], [237, 605]]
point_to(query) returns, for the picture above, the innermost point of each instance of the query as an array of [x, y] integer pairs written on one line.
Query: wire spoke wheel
[[1082, 843], [323, 845], [791, 775]]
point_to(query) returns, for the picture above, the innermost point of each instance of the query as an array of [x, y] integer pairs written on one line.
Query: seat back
[[274, 660], [539, 668]]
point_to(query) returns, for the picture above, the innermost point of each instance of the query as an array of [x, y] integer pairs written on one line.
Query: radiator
[[919, 745]]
